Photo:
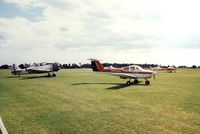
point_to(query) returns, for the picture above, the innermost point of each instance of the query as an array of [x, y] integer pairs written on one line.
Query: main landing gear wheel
[[128, 82], [54, 75], [147, 82], [48, 75], [136, 81]]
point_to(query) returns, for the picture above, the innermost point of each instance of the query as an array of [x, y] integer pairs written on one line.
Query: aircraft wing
[[122, 75], [43, 69], [39, 70], [130, 75]]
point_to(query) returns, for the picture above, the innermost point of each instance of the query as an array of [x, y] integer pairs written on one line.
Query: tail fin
[[96, 65], [14, 69]]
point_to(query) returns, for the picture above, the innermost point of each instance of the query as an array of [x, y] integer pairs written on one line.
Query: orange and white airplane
[[168, 69], [130, 72]]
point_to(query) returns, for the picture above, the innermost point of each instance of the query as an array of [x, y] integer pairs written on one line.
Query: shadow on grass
[[28, 77], [116, 87], [34, 77], [12, 77]]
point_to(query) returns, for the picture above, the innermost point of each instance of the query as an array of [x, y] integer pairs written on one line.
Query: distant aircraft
[[39, 68], [155, 68], [168, 69], [130, 72]]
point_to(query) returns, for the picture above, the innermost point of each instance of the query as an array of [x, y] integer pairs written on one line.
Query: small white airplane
[[130, 72], [168, 69], [39, 68], [155, 68]]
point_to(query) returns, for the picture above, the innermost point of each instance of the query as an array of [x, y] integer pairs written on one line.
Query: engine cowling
[[56, 66]]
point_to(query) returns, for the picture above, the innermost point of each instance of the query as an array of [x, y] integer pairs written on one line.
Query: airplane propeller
[[154, 75]]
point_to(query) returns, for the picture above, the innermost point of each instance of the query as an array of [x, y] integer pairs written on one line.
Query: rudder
[[97, 66]]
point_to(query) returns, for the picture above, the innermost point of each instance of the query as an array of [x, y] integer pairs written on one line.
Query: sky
[[116, 31]]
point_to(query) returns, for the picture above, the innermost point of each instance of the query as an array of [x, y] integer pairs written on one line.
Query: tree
[[194, 66], [4, 66]]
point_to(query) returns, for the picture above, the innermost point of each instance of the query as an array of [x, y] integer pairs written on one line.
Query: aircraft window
[[126, 68], [138, 68], [132, 68]]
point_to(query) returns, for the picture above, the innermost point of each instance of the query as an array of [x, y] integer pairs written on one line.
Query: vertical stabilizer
[[96, 65], [14, 69]]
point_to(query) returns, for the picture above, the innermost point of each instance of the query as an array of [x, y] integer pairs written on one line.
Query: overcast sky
[[163, 32]]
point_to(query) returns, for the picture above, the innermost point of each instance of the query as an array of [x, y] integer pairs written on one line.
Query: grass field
[[80, 101]]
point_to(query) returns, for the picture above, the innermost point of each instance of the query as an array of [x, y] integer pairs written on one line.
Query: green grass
[[80, 101]]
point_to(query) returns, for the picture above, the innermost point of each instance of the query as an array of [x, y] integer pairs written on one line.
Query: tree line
[[87, 65]]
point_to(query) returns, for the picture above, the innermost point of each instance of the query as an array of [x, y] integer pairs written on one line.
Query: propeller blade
[[154, 75]]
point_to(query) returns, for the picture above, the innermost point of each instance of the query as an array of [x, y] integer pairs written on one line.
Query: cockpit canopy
[[39, 64], [133, 68]]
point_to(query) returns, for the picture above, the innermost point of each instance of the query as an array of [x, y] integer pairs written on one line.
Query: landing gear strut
[[128, 82]]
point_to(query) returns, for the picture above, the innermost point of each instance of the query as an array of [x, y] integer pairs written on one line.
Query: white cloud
[[120, 31]]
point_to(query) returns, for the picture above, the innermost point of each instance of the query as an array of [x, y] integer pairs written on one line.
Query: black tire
[[147, 82], [128, 82], [136, 81], [48, 75], [54, 75]]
